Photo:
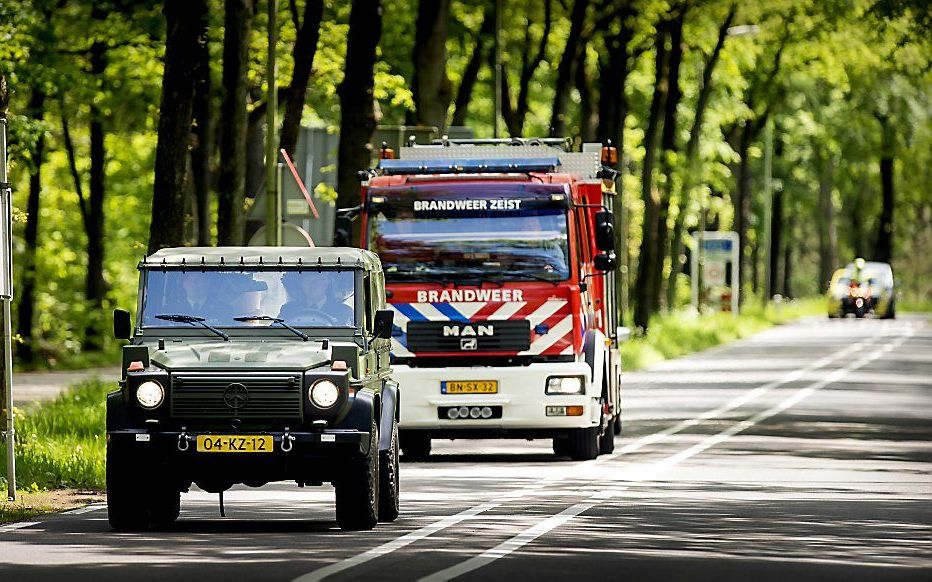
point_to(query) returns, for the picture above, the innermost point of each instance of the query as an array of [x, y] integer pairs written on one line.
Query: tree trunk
[[650, 259], [668, 148], [883, 248], [231, 218], [776, 232], [827, 234], [187, 29], [95, 287], [357, 102], [204, 146], [742, 200], [514, 115], [430, 85], [588, 114], [573, 54], [788, 264], [305, 48], [471, 72], [27, 298]]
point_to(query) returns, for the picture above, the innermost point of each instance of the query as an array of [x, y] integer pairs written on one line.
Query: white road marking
[[571, 470], [651, 471], [18, 525]]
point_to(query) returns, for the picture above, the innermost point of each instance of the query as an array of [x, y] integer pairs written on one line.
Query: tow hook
[[183, 441], [287, 440]]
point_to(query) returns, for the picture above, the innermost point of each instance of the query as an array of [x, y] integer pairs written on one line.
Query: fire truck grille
[[243, 396], [465, 337]]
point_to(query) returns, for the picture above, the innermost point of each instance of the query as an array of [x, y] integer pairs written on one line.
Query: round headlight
[[150, 394], [324, 393]]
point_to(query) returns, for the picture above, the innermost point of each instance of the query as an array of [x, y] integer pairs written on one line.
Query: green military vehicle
[[252, 365]]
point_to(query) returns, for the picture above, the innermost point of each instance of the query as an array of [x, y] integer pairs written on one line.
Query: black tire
[[358, 490], [584, 443], [616, 425], [891, 311], [165, 509], [561, 447], [415, 445], [389, 483], [124, 508], [607, 441], [134, 501]]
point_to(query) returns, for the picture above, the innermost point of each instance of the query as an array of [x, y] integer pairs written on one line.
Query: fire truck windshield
[[499, 237]]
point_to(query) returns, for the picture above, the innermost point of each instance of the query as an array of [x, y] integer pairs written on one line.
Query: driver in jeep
[[315, 300]]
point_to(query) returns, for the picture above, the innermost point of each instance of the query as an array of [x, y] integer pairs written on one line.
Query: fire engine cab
[[499, 264]]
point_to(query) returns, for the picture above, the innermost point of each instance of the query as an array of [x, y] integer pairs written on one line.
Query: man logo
[[469, 343], [468, 330]]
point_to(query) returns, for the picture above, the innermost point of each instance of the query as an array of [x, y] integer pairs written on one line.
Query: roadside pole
[[6, 295], [273, 210]]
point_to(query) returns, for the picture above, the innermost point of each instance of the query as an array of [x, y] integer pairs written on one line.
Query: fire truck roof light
[[466, 166]]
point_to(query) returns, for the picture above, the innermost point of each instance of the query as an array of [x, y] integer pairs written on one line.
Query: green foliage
[[63, 443], [679, 333]]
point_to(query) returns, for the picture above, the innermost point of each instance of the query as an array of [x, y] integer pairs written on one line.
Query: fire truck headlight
[[565, 385]]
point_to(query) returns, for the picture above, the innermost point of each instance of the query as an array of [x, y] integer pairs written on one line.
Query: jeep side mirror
[[605, 261], [383, 323], [604, 231], [122, 324]]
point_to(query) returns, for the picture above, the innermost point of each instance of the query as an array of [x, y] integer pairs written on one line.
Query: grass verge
[[30, 504], [671, 335], [61, 444]]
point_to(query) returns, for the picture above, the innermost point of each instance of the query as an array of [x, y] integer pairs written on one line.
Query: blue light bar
[[481, 166]]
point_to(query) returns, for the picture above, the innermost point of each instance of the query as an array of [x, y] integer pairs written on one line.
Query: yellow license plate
[[222, 443], [469, 387]]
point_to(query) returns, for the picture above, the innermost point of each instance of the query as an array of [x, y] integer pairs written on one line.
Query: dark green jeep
[[251, 365]]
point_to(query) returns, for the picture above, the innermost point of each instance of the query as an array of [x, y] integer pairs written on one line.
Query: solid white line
[[570, 470], [651, 472], [18, 525]]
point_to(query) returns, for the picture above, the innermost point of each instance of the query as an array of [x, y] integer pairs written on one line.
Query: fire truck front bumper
[[485, 400]]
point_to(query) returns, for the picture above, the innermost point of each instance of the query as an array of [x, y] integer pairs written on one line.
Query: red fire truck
[[499, 264]]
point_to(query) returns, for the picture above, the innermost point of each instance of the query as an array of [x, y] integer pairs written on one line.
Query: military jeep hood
[[249, 354]]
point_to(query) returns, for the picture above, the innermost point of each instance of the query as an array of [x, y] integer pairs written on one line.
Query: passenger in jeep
[[316, 300]]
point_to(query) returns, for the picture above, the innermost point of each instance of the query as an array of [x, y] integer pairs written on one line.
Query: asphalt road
[[802, 453]]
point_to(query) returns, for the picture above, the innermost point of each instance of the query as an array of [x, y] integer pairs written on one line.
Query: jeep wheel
[[358, 490], [584, 443], [415, 445], [125, 509], [616, 424], [389, 485]]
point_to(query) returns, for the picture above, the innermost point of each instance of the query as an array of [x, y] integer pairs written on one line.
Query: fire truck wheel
[[561, 447], [584, 443], [415, 445], [607, 441]]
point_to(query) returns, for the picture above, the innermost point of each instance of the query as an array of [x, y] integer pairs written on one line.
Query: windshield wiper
[[534, 275], [277, 320], [192, 319]]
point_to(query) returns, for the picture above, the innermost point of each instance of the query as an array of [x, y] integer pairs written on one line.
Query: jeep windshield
[[467, 232], [223, 298]]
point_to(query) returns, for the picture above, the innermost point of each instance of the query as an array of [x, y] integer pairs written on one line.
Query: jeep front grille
[[245, 396]]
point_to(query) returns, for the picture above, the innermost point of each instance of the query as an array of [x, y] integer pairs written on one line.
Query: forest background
[[139, 124]]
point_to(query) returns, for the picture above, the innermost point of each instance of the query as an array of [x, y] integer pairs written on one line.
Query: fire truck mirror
[[604, 231], [122, 325], [383, 323], [605, 261]]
